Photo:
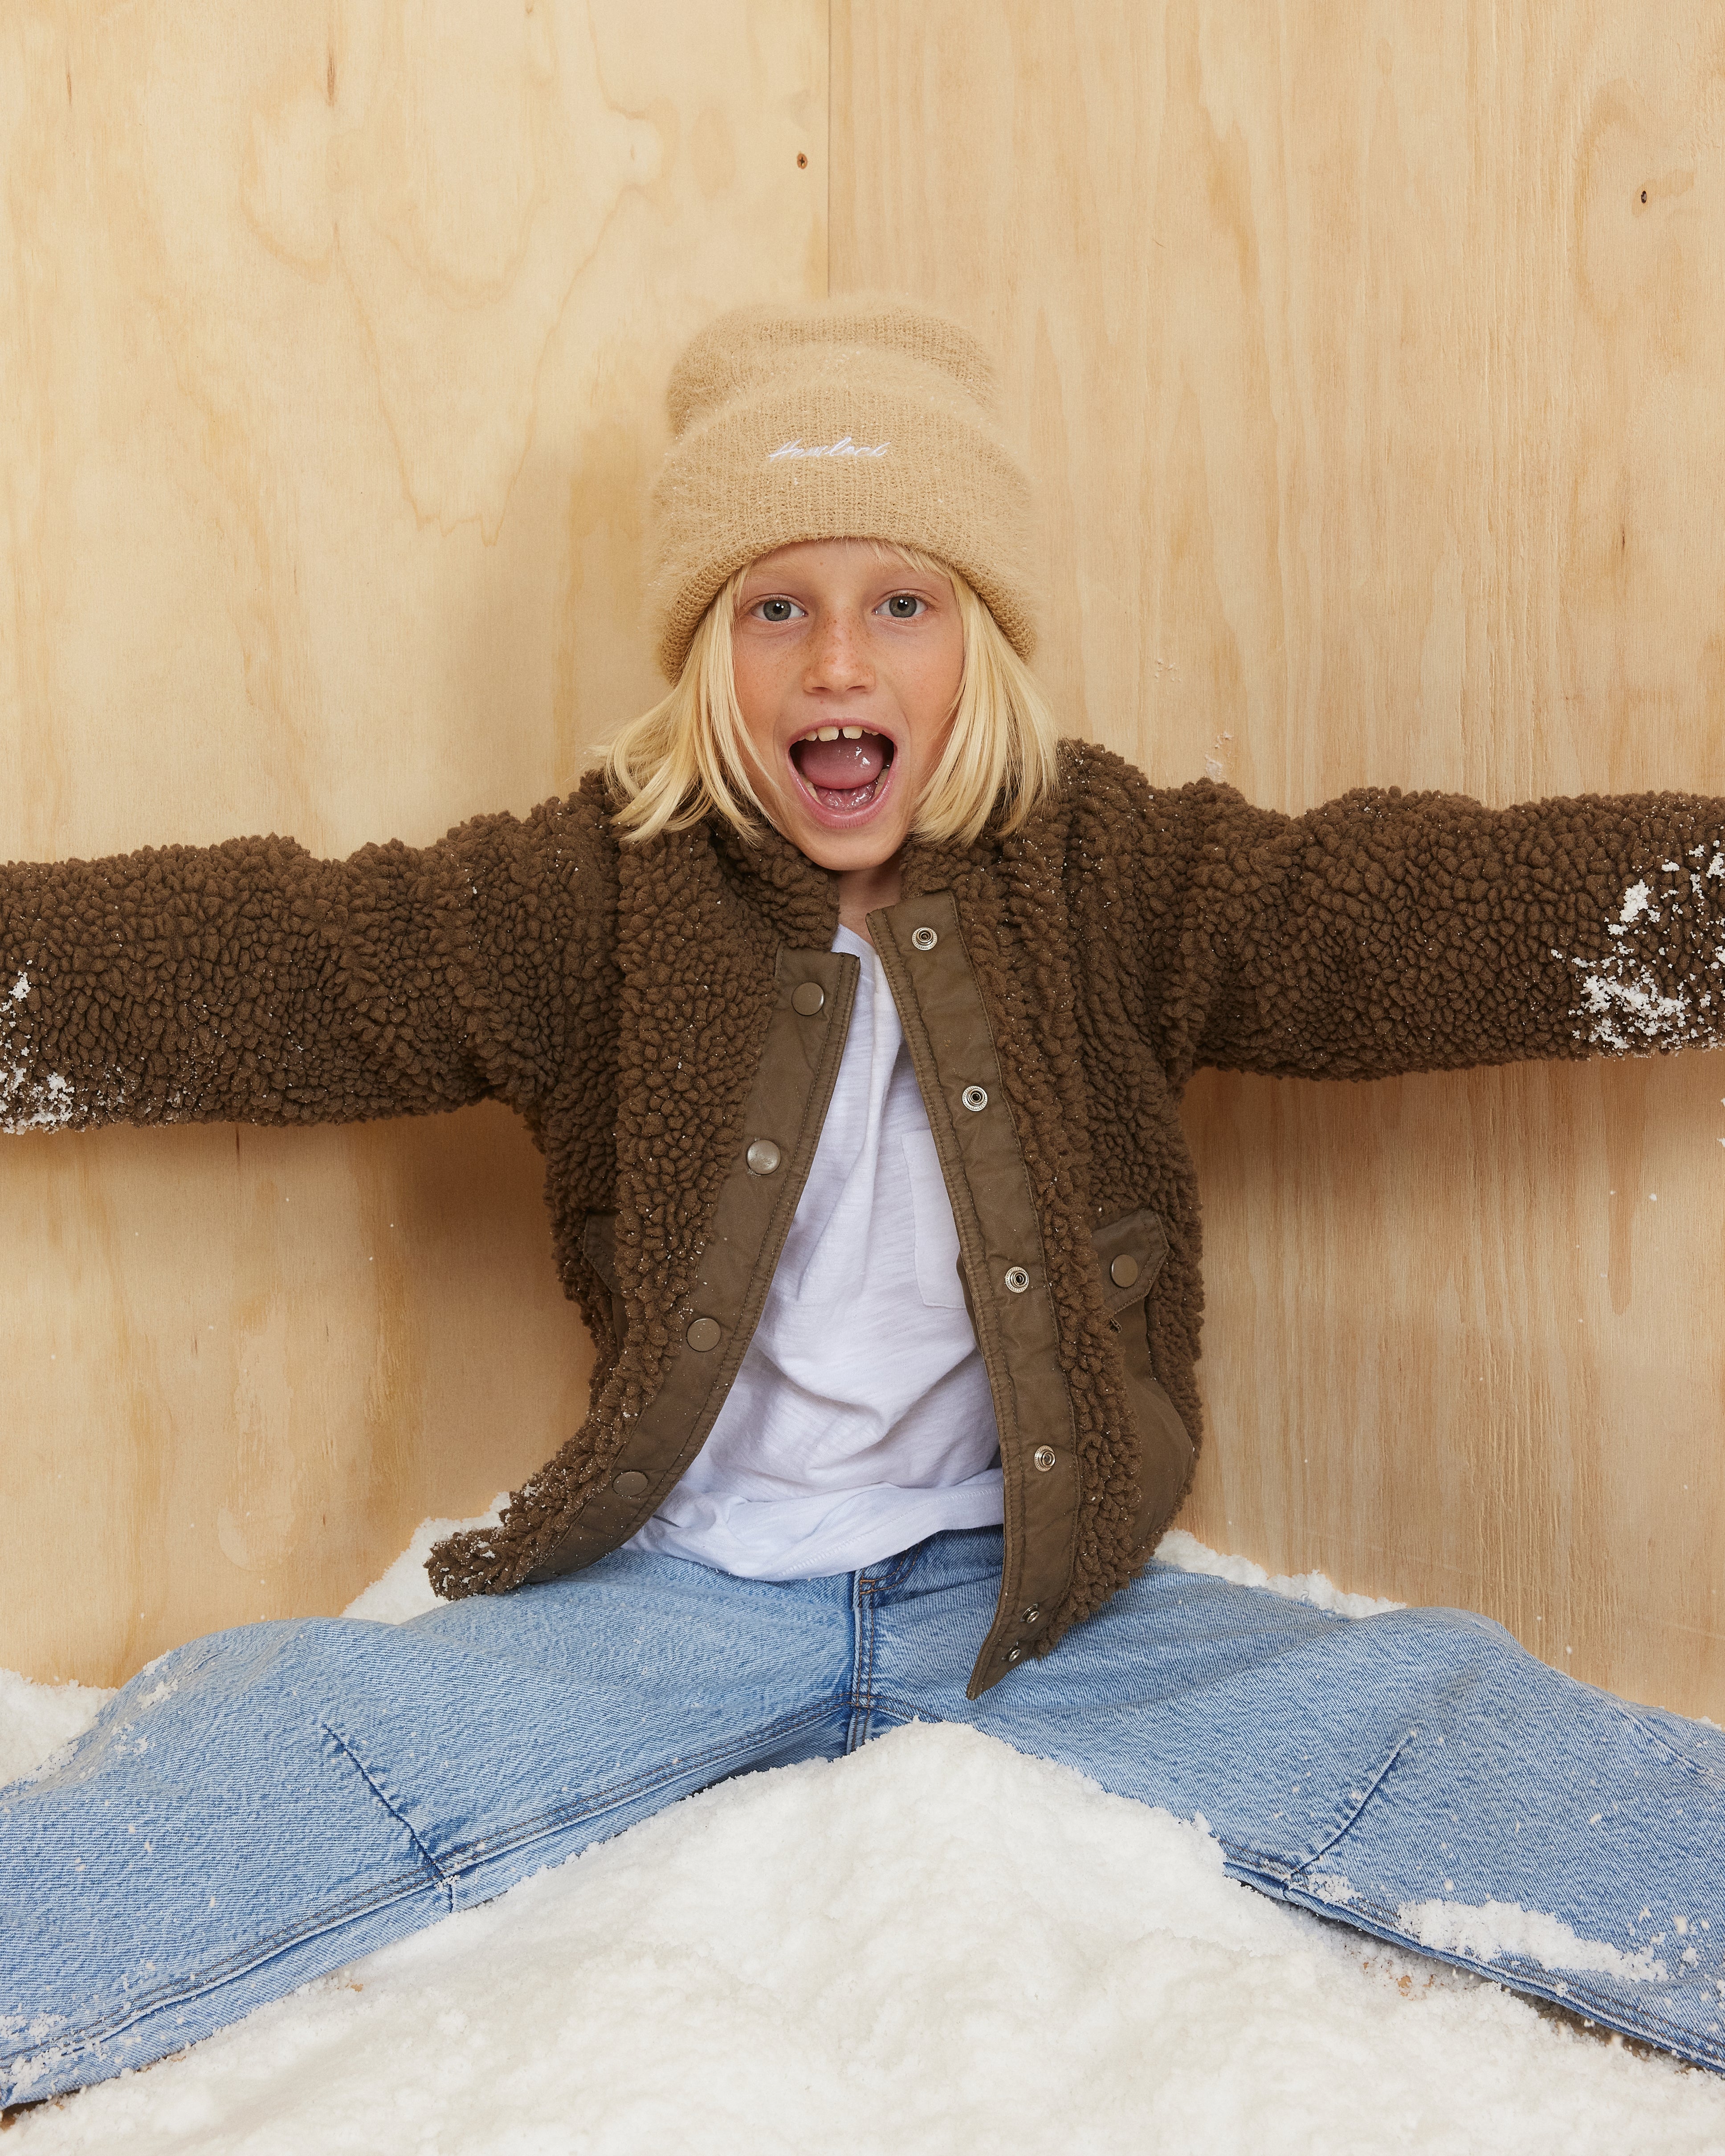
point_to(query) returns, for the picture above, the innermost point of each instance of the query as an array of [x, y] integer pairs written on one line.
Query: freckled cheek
[[761, 696], [926, 699], [929, 731]]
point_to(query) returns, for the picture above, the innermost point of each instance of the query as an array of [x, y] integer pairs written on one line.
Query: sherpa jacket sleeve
[[1387, 932], [251, 983]]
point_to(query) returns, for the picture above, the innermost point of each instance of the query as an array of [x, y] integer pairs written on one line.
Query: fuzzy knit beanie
[[864, 417]]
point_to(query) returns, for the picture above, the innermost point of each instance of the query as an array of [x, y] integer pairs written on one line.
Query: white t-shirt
[[860, 1420]]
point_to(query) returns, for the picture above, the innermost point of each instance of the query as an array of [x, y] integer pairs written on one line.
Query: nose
[[838, 654]]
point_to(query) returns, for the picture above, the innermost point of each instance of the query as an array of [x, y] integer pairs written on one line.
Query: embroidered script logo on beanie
[[843, 447]]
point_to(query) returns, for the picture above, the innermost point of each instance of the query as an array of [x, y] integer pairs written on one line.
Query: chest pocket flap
[[1131, 1251]]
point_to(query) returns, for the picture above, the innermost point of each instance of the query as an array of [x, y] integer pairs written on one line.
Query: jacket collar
[[800, 900]]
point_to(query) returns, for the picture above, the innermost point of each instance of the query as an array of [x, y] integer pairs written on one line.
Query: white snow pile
[[933, 1946], [404, 1591], [1187, 1554], [38, 1720]]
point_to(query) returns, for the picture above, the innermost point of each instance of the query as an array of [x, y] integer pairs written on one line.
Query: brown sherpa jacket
[[668, 1019]]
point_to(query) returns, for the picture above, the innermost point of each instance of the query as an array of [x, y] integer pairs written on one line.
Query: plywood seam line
[[827, 253]]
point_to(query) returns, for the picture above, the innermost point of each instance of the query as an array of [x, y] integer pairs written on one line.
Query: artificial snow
[[1487, 1930], [1187, 1554], [39, 1721], [404, 1590], [29, 1102], [934, 1945], [1623, 1001]]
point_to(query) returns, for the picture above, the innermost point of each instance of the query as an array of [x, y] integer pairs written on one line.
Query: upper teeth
[[832, 733]]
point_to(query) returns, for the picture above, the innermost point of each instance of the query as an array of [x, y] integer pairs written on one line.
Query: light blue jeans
[[263, 1805]]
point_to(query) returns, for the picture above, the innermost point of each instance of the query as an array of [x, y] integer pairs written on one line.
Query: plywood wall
[[1368, 359], [1370, 362], [333, 334]]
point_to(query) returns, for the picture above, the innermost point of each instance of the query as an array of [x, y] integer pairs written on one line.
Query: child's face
[[834, 638]]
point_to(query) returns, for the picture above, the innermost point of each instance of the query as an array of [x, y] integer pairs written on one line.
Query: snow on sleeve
[[1662, 984], [27, 1102]]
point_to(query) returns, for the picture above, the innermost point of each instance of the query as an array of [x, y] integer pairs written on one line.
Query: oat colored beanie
[[865, 417]]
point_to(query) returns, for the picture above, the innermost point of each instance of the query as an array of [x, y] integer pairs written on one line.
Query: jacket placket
[[1002, 1264]]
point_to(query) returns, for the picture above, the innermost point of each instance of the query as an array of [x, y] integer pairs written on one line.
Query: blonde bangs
[[682, 760]]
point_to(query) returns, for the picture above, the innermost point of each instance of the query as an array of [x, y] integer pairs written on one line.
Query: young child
[[851, 1011]]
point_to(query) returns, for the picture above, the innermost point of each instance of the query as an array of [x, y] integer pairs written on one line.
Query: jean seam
[[466, 1856], [863, 1599], [868, 1586], [897, 1566], [887, 1703], [234, 1966], [1353, 1817], [400, 1817], [364, 1902], [1657, 1737], [1576, 1993]]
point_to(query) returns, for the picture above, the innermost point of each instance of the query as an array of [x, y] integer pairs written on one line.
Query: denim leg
[[262, 1805], [1416, 1774]]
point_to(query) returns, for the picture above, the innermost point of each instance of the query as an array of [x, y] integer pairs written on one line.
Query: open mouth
[[844, 769]]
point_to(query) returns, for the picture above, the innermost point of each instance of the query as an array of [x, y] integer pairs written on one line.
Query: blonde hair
[[679, 761]]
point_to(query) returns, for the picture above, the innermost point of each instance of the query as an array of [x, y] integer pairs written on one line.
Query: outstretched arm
[[1387, 932], [249, 982]]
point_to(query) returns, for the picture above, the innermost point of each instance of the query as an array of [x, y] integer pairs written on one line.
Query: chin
[[860, 849], [857, 842]]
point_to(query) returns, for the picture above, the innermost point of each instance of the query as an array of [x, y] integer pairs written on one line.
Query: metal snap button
[[629, 1484], [763, 1156], [924, 939], [1015, 1653], [1044, 1456], [974, 1098], [702, 1334], [807, 997], [1123, 1270], [1033, 1614], [1017, 1280]]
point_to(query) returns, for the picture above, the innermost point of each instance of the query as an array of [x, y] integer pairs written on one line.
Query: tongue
[[841, 765]]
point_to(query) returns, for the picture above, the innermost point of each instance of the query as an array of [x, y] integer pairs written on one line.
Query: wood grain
[[1367, 359], [333, 334]]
